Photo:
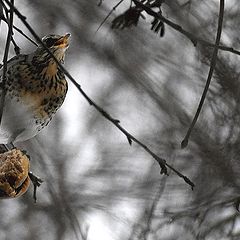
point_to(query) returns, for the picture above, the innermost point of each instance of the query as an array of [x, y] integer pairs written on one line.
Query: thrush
[[35, 89]]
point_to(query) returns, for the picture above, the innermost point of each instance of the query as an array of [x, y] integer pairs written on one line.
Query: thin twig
[[210, 73], [21, 32], [14, 27], [1, 11], [36, 181], [195, 40], [5, 58], [109, 14], [16, 47], [161, 161]]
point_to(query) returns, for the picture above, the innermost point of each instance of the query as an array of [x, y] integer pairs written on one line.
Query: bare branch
[[5, 58], [1, 11], [16, 47], [161, 161], [195, 40], [36, 181], [19, 30], [210, 73], [109, 14]]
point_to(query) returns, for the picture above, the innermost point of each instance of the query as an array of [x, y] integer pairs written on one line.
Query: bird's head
[[57, 44]]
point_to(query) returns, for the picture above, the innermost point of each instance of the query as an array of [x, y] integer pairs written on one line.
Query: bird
[[35, 88]]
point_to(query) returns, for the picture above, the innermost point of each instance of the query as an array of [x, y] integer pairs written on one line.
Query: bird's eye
[[50, 42]]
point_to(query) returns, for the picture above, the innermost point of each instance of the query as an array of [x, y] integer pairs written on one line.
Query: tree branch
[[5, 58], [109, 14], [1, 11], [195, 40], [161, 161], [14, 27], [210, 73], [16, 47]]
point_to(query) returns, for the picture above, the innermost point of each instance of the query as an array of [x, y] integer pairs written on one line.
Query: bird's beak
[[63, 41]]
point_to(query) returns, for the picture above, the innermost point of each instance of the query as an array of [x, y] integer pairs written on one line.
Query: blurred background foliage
[[97, 186]]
